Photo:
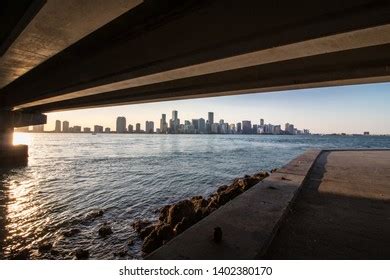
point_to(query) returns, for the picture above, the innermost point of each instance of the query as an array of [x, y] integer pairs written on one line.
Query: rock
[[146, 231], [161, 234], [130, 242], [139, 225], [199, 203], [222, 188], [105, 230], [198, 197], [94, 214], [180, 210], [164, 213], [71, 232], [182, 226], [151, 242], [45, 247], [81, 254], [228, 194], [22, 255]]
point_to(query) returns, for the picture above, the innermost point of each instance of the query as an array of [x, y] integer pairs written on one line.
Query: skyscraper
[[138, 127], [174, 122], [202, 126], [65, 126], [130, 128], [174, 115], [149, 127], [163, 124], [120, 125], [261, 122], [58, 126], [211, 118], [246, 127], [238, 128]]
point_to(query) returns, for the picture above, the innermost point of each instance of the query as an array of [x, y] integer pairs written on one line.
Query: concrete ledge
[[11, 156], [249, 222]]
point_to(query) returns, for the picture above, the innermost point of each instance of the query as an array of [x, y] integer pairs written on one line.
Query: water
[[129, 177]]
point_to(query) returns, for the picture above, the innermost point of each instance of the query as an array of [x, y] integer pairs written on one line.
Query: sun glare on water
[[22, 138]]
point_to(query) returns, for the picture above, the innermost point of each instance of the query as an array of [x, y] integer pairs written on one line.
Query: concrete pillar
[[15, 155]]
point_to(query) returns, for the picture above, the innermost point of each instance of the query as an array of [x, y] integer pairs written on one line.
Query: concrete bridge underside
[[61, 55]]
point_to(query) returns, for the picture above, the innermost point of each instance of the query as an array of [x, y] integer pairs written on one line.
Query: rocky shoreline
[[172, 220], [176, 218]]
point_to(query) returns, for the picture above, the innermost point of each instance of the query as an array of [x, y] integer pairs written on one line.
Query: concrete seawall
[[279, 217]]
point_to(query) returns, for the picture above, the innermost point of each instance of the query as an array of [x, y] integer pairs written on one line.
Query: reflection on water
[[128, 176], [22, 138]]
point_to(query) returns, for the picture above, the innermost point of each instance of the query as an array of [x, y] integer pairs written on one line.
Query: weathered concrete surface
[[342, 211], [248, 222]]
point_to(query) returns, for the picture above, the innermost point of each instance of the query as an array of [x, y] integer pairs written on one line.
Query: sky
[[348, 109]]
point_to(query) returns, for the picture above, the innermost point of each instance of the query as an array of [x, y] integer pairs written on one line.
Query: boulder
[[161, 234], [81, 254], [164, 213], [105, 230], [139, 225], [180, 210], [222, 188], [94, 214], [146, 231], [182, 226]]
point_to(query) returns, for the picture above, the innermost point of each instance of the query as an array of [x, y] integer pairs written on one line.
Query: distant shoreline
[[260, 134]]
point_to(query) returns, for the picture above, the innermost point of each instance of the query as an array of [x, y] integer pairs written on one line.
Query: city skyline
[[348, 109], [175, 126]]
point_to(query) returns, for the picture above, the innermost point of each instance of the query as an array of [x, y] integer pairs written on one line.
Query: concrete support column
[[15, 155]]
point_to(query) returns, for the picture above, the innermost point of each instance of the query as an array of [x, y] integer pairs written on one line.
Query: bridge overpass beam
[[15, 155]]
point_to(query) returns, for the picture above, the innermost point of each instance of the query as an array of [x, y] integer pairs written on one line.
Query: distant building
[[215, 128], [58, 126], [291, 129], [238, 128], [77, 129], [174, 123], [65, 126], [277, 129], [163, 124], [211, 118], [246, 127], [130, 128], [149, 127], [107, 130], [261, 122], [366, 133], [38, 128], [87, 129], [120, 125], [202, 126], [254, 128], [138, 127], [195, 124], [98, 129]]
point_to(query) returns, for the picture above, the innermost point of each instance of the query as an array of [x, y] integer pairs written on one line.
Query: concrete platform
[[248, 222], [342, 212], [322, 205]]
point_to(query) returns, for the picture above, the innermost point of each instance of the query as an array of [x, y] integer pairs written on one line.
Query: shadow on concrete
[[325, 225]]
